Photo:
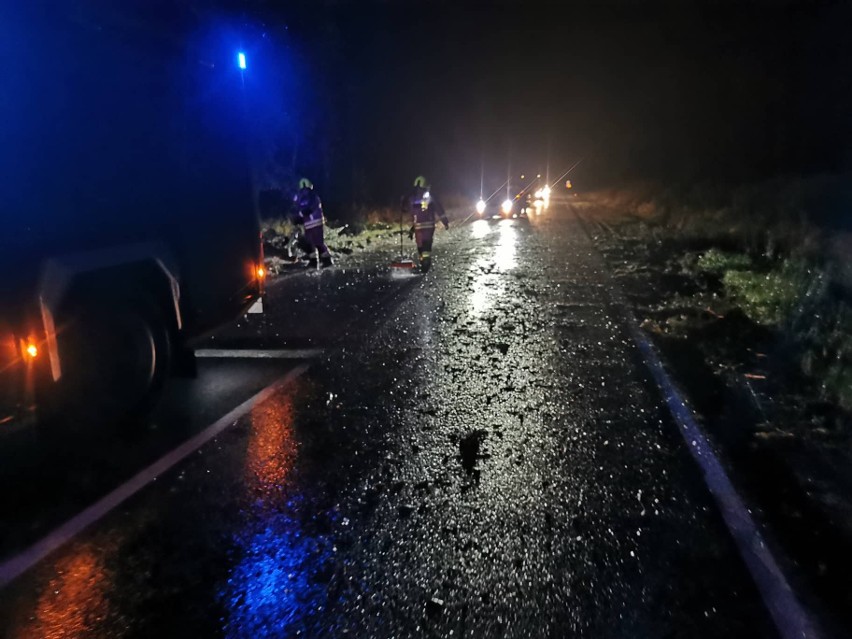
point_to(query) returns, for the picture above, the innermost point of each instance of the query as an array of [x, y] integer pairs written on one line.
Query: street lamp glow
[[241, 60], [507, 207], [480, 206]]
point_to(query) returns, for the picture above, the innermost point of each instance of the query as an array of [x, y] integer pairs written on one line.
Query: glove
[[411, 233]]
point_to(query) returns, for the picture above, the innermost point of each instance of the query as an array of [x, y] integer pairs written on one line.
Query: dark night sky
[[675, 91]]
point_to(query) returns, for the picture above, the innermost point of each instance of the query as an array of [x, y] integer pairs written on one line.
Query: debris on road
[[434, 607], [469, 449]]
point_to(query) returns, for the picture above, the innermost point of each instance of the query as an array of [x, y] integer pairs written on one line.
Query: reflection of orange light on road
[[271, 447], [74, 602]]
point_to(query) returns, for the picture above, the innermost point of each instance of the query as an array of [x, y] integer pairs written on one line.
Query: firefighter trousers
[[423, 238], [316, 238]]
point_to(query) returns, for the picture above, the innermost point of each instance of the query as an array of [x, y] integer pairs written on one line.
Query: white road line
[[259, 353], [790, 617], [14, 567]]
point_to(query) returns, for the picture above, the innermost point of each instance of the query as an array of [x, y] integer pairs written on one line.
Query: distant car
[[509, 208], [486, 209], [505, 209], [541, 199], [494, 209], [481, 208], [525, 205]]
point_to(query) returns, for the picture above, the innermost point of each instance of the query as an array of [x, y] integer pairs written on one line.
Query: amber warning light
[[31, 350]]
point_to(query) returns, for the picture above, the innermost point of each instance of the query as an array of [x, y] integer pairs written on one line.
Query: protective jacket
[[425, 210], [310, 216]]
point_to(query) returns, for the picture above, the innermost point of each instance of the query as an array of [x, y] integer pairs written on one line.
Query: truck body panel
[[123, 144]]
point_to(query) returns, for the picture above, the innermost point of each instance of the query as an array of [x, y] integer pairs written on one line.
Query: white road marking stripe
[[14, 567], [790, 617], [256, 353]]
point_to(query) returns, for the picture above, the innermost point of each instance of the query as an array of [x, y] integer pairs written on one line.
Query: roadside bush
[[277, 226], [381, 216], [837, 383], [778, 248], [824, 338], [771, 218], [768, 297], [719, 262]]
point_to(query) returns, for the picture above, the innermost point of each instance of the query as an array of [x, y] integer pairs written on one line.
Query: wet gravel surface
[[478, 453]]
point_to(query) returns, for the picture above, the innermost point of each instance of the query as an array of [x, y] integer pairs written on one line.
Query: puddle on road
[[74, 602], [480, 229], [273, 586], [488, 272]]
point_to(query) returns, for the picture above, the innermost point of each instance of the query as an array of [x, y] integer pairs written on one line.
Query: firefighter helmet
[[420, 181], [305, 183]]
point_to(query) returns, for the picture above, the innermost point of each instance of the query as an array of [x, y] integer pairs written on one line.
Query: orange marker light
[[31, 350], [261, 272]]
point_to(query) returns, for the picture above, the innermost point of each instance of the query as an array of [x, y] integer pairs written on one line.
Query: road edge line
[[20, 563], [789, 616]]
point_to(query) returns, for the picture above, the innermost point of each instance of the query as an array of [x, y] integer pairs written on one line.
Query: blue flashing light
[[241, 60]]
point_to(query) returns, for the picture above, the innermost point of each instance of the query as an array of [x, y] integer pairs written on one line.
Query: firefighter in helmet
[[309, 215], [425, 209]]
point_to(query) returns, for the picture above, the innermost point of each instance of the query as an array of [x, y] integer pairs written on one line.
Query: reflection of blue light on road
[[270, 591], [265, 585]]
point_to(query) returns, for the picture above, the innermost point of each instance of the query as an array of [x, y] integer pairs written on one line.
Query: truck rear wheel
[[115, 358]]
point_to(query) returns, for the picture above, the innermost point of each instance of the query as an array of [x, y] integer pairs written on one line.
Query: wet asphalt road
[[477, 452]]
